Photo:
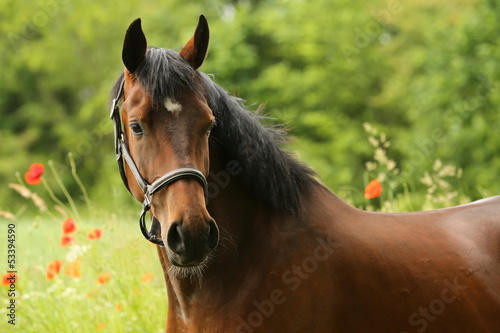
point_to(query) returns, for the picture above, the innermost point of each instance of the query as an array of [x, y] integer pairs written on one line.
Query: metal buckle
[[146, 204]]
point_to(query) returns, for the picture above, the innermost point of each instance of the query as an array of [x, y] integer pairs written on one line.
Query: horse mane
[[270, 173]]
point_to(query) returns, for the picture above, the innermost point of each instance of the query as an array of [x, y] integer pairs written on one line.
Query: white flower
[[426, 179], [76, 252], [369, 128], [380, 156], [391, 165], [447, 171], [437, 165], [370, 166], [374, 142]]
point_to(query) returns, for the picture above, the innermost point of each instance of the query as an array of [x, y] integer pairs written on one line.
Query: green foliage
[[423, 72], [325, 67]]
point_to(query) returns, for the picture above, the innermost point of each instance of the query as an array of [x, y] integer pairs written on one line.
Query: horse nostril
[[213, 235], [174, 239]]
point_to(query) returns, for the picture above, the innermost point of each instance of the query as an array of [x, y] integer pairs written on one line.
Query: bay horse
[[250, 241]]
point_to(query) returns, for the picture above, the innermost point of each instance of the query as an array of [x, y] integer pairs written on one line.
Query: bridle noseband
[[123, 156]]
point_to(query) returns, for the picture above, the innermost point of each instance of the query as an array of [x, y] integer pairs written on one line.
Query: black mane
[[272, 175]]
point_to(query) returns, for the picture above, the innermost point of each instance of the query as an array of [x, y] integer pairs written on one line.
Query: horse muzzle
[[190, 242]]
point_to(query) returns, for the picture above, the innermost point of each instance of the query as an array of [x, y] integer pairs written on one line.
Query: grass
[[133, 300]]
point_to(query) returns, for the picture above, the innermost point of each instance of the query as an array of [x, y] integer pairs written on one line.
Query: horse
[[249, 239]]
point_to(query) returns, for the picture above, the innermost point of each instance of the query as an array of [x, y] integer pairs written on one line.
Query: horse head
[[166, 127]]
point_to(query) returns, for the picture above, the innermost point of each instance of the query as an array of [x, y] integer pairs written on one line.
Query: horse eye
[[136, 129]]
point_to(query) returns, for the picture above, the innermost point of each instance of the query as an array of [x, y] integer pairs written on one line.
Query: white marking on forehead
[[172, 105]]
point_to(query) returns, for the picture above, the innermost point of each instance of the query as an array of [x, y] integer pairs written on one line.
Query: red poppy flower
[[8, 279], [103, 278], [373, 189], [95, 234], [34, 175], [53, 268], [69, 226], [66, 240], [73, 270]]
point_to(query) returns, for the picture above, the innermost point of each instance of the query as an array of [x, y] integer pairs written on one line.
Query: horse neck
[[251, 233]]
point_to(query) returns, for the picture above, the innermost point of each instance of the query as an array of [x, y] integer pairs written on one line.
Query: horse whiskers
[[226, 239], [196, 272], [191, 273]]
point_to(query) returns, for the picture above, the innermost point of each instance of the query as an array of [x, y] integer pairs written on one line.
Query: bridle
[[123, 156]]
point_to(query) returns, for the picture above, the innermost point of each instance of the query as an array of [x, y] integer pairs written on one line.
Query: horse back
[[436, 270]]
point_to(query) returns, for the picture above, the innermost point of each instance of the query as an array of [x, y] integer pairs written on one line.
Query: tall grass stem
[[64, 190], [79, 182]]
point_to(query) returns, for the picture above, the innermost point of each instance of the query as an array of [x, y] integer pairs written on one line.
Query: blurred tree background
[[424, 72]]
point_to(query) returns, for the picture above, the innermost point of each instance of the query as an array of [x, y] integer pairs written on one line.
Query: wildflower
[[437, 165], [427, 179], [94, 234], [76, 252], [373, 141], [380, 156], [66, 240], [370, 166], [118, 307], [53, 268], [69, 226], [391, 165], [73, 270], [100, 326], [369, 128], [447, 171], [147, 277], [34, 175], [103, 278], [8, 279], [373, 189]]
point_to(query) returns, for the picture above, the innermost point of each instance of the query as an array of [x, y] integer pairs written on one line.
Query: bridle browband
[[123, 156]]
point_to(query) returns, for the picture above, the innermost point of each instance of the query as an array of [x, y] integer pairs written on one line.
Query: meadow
[[85, 274], [116, 289]]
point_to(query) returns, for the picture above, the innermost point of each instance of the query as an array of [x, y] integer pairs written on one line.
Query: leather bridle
[[123, 156]]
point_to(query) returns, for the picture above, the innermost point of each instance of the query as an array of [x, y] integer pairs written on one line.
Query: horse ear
[[195, 51], [134, 46]]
